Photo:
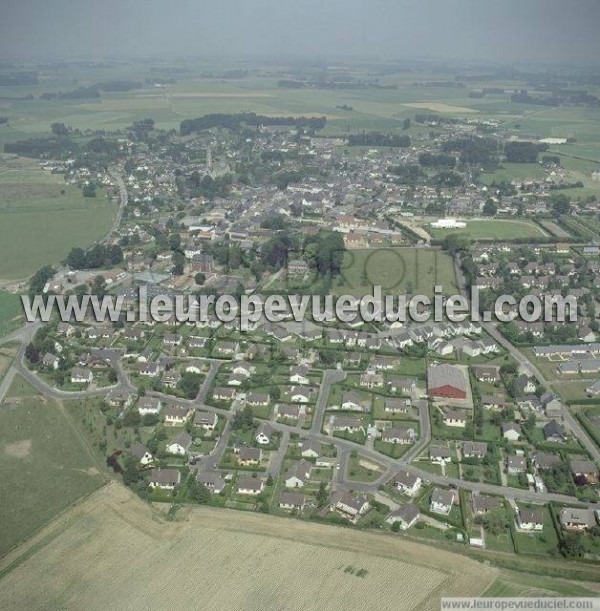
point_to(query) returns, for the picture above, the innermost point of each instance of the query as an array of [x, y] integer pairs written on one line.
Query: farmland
[[45, 465], [152, 562], [370, 108], [10, 312], [396, 270], [41, 218], [492, 229]]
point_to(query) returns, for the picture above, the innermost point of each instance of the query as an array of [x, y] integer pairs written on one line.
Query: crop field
[[45, 464], [492, 229], [42, 218], [113, 551], [397, 271]]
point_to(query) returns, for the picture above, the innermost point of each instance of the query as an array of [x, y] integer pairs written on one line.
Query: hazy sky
[[504, 30]]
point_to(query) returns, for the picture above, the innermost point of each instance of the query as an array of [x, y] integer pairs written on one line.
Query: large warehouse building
[[446, 381]]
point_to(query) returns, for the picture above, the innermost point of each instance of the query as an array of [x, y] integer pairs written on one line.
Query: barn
[[446, 382]]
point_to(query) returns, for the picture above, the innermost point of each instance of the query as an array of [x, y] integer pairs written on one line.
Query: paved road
[[425, 432], [122, 203], [330, 377], [278, 457], [211, 461], [205, 387]]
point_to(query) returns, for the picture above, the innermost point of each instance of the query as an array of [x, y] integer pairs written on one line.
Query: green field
[[42, 218], [397, 271], [45, 464], [196, 92], [492, 229], [11, 312]]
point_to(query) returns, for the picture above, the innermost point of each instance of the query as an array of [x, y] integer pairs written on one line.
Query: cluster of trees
[[81, 93], [235, 121], [99, 255], [408, 173], [325, 252], [379, 139], [433, 160], [475, 150], [39, 279], [116, 86], [198, 185], [522, 152], [448, 178], [53, 147], [60, 146], [3, 120], [13, 79], [141, 129]]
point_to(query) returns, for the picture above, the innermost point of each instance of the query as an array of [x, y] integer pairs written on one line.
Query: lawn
[[492, 229], [45, 465], [396, 271], [42, 218], [539, 542]]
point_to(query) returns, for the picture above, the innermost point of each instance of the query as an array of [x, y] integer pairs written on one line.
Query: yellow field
[[115, 552]]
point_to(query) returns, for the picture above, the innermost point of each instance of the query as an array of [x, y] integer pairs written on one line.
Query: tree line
[[234, 121]]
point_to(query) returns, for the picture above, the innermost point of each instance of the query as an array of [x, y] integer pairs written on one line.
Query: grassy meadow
[[396, 270], [42, 218], [45, 464]]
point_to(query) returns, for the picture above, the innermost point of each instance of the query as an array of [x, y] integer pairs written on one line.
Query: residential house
[[176, 415], [165, 479], [311, 449], [484, 504], [399, 436], [291, 501], [79, 375], [249, 456], [442, 501], [351, 506], [584, 469], [474, 449], [250, 486], [577, 519], [180, 444], [264, 435], [516, 464], [205, 420], [407, 483], [148, 406], [454, 418], [530, 519], [298, 475], [407, 515], [212, 481], [511, 431], [141, 453]]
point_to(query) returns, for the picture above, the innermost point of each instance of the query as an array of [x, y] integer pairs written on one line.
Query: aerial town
[[483, 434]]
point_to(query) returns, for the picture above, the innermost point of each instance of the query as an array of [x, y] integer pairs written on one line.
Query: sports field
[[498, 229], [42, 218], [115, 552], [397, 271], [45, 464]]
